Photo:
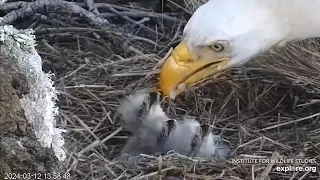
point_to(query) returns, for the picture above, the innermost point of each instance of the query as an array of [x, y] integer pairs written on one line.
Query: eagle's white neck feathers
[[252, 26]]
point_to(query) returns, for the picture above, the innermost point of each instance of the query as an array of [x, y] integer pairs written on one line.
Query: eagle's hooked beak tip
[[180, 71]]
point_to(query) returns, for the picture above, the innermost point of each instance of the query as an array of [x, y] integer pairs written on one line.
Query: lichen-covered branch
[[39, 103]]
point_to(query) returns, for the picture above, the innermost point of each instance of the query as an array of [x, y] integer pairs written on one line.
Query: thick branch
[[29, 9]]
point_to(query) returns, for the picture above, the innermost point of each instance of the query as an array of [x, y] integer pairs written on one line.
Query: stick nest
[[101, 52]]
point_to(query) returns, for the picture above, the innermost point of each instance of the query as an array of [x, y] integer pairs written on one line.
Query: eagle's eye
[[161, 136], [140, 112], [217, 47], [141, 109], [193, 144]]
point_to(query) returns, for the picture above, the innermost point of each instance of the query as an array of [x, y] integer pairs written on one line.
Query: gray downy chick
[[197, 141], [185, 138], [151, 138], [156, 133], [134, 110], [212, 146], [163, 136], [152, 128]]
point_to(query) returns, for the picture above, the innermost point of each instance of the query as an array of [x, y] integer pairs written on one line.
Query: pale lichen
[[39, 105]]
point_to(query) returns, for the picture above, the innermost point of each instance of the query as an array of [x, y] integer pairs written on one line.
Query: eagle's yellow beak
[[181, 70]]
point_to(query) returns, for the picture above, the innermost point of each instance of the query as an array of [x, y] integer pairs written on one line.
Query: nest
[[267, 108]]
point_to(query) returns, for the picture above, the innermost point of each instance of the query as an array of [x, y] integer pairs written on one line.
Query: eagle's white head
[[226, 33]]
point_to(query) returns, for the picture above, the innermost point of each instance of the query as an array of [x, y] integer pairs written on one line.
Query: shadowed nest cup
[[267, 108]]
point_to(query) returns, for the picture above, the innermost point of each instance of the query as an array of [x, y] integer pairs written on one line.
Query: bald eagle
[[225, 33]]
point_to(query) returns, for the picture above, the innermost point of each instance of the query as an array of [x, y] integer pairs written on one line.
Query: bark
[[19, 149]]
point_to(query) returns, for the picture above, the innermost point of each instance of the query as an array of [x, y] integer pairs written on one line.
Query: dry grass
[[269, 107]]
